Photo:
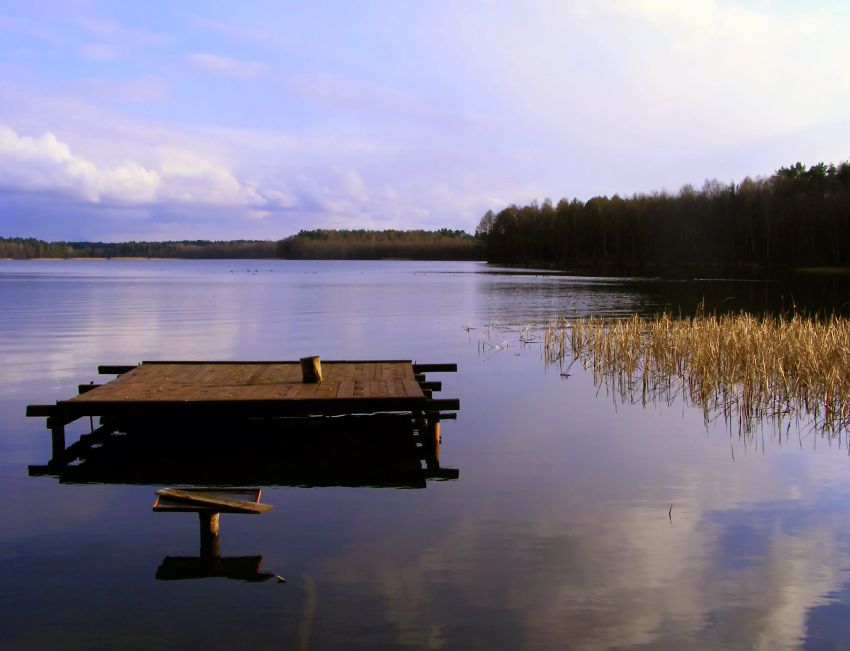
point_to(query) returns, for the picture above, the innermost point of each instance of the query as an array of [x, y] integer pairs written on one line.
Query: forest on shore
[[443, 244], [798, 217], [26, 248]]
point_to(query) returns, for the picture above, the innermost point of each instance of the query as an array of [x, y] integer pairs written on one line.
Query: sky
[[253, 120]]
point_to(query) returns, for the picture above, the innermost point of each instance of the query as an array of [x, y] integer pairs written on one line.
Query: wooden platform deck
[[378, 386], [207, 390]]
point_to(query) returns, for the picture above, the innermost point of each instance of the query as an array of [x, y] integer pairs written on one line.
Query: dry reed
[[747, 368]]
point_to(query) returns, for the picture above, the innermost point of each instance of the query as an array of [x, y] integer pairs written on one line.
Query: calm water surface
[[559, 532]]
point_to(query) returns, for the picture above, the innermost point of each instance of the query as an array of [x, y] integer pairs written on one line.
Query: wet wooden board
[[219, 500]]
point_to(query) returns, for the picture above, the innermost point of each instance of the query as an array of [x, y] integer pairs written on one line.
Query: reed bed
[[747, 368]]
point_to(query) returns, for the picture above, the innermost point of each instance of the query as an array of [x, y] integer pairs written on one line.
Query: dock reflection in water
[[378, 450], [381, 450]]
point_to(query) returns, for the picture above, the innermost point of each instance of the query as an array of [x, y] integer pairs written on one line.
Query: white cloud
[[46, 164], [625, 75], [178, 176], [775, 70], [226, 66], [278, 199]]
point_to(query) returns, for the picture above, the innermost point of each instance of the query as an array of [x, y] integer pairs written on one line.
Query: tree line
[[25, 248], [798, 217], [443, 244], [21, 248]]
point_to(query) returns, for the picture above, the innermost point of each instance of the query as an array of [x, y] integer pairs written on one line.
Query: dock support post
[[420, 424], [434, 428], [434, 437], [428, 425], [210, 548], [57, 440]]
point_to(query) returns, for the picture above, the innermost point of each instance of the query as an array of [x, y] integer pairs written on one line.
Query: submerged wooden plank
[[170, 505], [212, 500]]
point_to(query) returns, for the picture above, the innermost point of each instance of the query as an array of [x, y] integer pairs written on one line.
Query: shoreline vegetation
[[749, 370], [443, 244], [30, 248], [797, 218]]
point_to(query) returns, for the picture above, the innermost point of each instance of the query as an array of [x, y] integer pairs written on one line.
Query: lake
[[576, 521]]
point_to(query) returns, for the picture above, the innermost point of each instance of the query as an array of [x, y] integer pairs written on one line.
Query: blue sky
[[219, 120]]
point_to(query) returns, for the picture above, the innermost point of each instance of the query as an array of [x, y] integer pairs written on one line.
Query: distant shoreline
[[141, 258], [443, 244]]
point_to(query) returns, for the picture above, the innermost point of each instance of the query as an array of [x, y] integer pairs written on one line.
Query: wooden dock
[[240, 393]]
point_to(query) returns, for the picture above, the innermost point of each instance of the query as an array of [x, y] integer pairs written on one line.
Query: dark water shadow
[[381, 450]]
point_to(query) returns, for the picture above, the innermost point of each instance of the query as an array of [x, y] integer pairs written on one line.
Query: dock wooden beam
[[78, 449], [442, 404], [40, 411], [107, 369], [435, 368]]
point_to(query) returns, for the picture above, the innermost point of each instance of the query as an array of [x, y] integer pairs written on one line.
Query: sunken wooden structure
[[231, 423], [209, 503]]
